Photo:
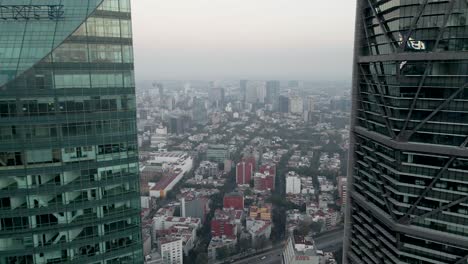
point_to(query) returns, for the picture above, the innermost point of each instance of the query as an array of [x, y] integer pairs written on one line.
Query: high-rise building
[[171, 250], [69, 186], [218, 153], [293, 183], [310, 103], [263, 182], [199, 112], [243, 90], [272, 94], [296, 105], [283, 104], [178, 123], [408, 174], [255, 92], [217, 99], [244, 172]]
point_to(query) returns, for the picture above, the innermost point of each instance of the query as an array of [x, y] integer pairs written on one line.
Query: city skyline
[[233, 131]]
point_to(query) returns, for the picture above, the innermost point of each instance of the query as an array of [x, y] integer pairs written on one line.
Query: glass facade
[[69, 187], [408, 171]]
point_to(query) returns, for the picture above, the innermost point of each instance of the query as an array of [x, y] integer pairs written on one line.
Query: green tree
[[260, 242], [244, 244], [316, 227], [304, 228], [222, 253], [202, 258]]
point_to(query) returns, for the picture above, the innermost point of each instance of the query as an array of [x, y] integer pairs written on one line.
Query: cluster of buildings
[[329, 162], [228, 142], [297, 160], [235, 221], [262, 179], [174, 237]]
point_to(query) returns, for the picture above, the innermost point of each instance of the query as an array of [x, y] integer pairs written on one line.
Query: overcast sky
[[236, 39]]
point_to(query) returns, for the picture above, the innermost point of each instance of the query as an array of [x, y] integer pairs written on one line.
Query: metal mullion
[[377, 94], [436, 111], [415, 99], [391, 42], [426, 190], [461, 200]]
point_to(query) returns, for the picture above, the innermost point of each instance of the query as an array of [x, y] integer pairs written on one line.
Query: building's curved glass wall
[[69, 188], [409, 166]]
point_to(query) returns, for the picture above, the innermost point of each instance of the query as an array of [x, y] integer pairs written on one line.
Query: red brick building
[[244, 173], [268, 169], [223, 227], [226, 222], [234, 200], [264, 182]]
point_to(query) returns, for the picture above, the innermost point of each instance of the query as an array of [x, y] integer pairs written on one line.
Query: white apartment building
[[293, 183], [296, 105], [171, 251]]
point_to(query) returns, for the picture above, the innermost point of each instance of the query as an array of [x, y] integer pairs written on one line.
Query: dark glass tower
[[408, 172], [69, 188]]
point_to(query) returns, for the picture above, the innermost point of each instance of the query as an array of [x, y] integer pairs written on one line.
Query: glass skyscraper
[[69, 188], [408, 170]]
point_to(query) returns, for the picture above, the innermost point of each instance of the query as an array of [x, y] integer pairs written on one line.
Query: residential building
[[264, 182], [163, 222], [226, 222], [296, 105], [68, 160], [207, 169], [244, 172], [408, 179], [301, 250], [171, 250], [234, 200], [220, 242], [259, 229], [293, 183], [342, 187], [261, 212], [218, 153], [159, 138], [195, 207]]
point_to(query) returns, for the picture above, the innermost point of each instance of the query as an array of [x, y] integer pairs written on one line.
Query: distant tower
[[160, 89], [272, 94]]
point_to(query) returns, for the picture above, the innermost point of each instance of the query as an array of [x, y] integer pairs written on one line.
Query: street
[[329, 241], [270, 257]]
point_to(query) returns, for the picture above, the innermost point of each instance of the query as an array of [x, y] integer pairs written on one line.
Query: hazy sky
[[235, 39]]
